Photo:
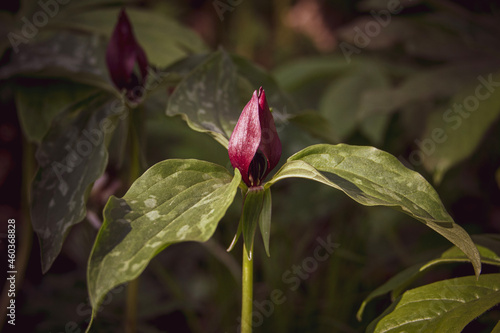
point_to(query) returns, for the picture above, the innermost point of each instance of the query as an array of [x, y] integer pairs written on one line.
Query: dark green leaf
[[400, 281], [293, 76], [75, 57], [461, 126], [282, 106], [38, 104], [173, 201], [207, 98], [424, 87], [342, 98], [315, 124], [163, 39], [445, 306], [71, 157], [374, 177]]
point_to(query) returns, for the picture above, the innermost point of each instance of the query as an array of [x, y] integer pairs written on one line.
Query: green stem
[[247, 293], [131, 311], [135, 171]]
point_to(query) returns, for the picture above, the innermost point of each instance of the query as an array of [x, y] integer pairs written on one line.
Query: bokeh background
[[357, 73]]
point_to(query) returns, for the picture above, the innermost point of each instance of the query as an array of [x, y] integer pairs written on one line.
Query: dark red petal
[[270, 144], [245, 138]]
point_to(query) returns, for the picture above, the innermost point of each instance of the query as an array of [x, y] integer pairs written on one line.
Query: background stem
[[247, 293], [134, 129]]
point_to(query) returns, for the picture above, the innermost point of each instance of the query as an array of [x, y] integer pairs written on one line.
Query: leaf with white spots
[[373, 177], [71, 157], [400, 282], [445, 306], [207, 98], [65, 55], [173, 201]]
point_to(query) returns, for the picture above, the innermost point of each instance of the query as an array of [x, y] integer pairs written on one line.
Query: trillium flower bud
[[126, 60], [254, 146]]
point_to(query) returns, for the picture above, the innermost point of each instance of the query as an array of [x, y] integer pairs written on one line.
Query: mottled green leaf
[[71, 157], [207, 98], [461, 126], [399, 282], [71, 56], [281, 104], [373, 177], [445, 306], [173, 201], [38, 104], [164, 40]]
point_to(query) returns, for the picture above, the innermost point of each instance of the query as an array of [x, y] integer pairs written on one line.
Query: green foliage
[[173, 201], [374, 177], [66, 55], [207, 98], [38, 105], [71, 158], [161, 48], [463, 128], [400, 281], [444, 306]]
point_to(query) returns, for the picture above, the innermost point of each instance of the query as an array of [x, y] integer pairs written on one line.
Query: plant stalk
[[247, 292]]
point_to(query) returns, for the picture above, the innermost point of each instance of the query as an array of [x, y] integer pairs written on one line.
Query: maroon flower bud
[[254, 147], [123, 56]]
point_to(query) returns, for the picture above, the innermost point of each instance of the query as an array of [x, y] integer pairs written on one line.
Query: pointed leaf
[[250, 216], [400, 281], [463, 124], [282, 106], [71, 157], [374, 177], [37, 105], [265, 219], [75, 57], [207, 98], [444, 306], [173, 201]]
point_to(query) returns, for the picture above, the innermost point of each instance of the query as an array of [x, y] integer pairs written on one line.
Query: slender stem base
[[131, 311], [247, 294]]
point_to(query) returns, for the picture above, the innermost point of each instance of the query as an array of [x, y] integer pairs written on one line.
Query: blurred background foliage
[[391, 89]]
